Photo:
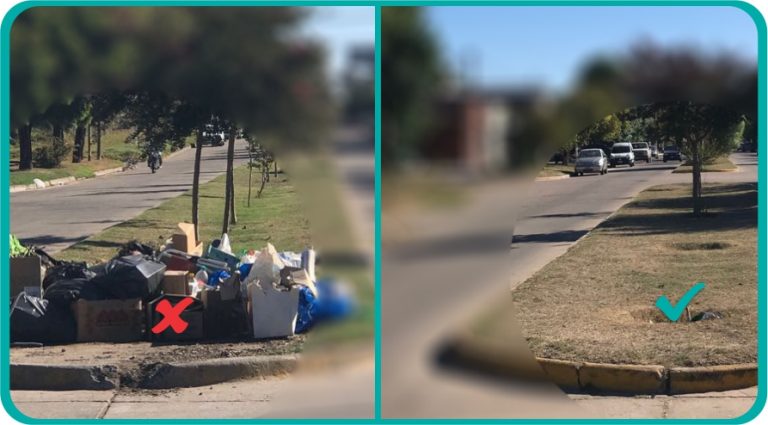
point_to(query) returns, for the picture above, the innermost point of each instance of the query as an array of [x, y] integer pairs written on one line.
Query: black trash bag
[[65, 292], [66, 270], [135, 246], [36, 320], [131, 276]]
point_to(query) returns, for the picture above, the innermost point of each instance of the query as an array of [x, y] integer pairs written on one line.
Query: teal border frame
[[16, 10]]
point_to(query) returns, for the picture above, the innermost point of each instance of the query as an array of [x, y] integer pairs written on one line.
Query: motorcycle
[[154, 162]]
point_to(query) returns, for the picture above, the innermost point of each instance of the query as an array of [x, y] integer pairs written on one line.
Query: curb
[[69, 180], [158, 376], [474, 353], [63, 377], [208, 372], [553, 178]]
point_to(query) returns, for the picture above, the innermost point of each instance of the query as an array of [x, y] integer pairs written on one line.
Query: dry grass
[[596, 302], [722, 164], [552, 170]]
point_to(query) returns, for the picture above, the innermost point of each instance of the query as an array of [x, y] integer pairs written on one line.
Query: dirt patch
[[690, 246], [597, 302]]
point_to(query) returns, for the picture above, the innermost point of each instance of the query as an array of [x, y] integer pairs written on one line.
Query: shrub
[[50, 156]]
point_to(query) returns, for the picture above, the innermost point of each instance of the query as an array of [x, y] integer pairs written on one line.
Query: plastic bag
[[65, 292], [67, 271], [266, 269], [132, 276], [36, 320]]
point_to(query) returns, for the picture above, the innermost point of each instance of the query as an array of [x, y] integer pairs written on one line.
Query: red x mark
[[171, 316]]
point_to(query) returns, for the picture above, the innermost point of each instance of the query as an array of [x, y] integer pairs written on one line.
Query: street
[[452, 264], [337, 392], [57, 217]]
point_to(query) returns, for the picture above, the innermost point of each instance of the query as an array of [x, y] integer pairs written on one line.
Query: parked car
[[642, 151], [621, 153], [604, 147], [591, 161], [672, 153]]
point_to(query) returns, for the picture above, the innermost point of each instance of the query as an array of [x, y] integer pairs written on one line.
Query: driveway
[[57, 217]]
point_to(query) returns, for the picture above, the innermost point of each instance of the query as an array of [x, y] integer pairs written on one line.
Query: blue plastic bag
[[218, 277]]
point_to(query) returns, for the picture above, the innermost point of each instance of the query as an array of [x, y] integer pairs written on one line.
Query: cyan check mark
[[674, 312]]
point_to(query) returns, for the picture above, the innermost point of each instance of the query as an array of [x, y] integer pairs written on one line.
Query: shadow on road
[[639, 169], [562, 236], [567, 215]]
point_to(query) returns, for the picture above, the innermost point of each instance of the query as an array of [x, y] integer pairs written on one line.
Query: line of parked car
[[598, 158]]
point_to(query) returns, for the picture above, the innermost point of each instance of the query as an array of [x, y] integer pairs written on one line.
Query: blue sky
[[547, 45], [339, 28]]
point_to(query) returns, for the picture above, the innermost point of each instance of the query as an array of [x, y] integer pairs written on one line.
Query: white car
[[642, 151], [621, 153], [591, 161]]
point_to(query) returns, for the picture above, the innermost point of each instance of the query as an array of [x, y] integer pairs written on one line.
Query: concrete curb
[[552, 178], [69, 180], [474, 353], [208, 372], [63, 377], [158, 376]]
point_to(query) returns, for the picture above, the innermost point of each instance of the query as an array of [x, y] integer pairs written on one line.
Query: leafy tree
[[410, 77], [703, 133]]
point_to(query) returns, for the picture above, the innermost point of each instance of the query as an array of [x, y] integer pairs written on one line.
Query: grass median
[[597, 302], [719, 165], [277, 217]]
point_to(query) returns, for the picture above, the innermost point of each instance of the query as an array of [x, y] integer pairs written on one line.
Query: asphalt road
[[454, 263], [57, 217]]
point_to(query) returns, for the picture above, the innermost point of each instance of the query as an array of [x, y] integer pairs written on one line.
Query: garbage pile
[[178, 293]]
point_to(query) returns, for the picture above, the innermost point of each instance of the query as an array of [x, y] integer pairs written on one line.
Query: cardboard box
[[175, 282], [273, 311], [193, 315], [26, 272], [184, 240], [108, 320], [224, 318]]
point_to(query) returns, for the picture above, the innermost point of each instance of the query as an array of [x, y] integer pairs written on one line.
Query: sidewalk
[[716, 405]]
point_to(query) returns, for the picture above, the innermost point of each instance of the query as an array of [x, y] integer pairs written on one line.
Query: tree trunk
[[89, 143], [250, 176], [275, 169], [264, 178], [58, 134], [77, 152], [228, 193], [25, 147], [98, 141], [196, 185], [696, 189], [232, 212]]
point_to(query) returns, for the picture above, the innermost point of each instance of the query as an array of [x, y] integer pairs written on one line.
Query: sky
[[546, 46], [339, 28]]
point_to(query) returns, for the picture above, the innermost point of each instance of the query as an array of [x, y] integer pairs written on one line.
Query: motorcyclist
[[157, 156]]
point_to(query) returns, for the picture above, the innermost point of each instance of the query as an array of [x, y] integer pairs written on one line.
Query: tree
[[703, 133], [410, 77]]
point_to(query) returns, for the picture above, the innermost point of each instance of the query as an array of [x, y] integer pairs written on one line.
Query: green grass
[[553, 170], [114, 150], [597, 301], [277, 217], [67, 169], [722, 164]]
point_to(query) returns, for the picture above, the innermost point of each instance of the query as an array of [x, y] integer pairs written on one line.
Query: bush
[[50, 156]]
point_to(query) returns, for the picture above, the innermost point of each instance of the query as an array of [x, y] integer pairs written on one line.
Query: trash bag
[[134, 246], [66, 270], [131, 276], [65, 292], [244, 270], [337, 300], [36, 320], [217, 277], [307, 312]]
